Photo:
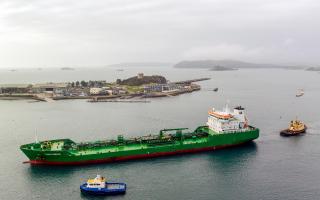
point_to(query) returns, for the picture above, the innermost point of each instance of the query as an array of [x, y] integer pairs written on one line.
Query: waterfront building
[[15, 88], [98, 91], [162, 87], [49, 88]]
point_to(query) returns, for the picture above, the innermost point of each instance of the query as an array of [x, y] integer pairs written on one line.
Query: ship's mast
[[35, 136], [227, 109]]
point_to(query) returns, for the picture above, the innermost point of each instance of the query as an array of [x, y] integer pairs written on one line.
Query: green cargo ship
[[223, 129]]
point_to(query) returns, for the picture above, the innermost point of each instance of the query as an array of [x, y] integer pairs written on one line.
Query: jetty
[[43, 97], [191, 81]]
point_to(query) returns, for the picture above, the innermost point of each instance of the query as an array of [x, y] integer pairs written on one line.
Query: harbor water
[[271, 167]]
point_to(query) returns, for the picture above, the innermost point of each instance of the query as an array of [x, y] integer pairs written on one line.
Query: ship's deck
[[131, 147]]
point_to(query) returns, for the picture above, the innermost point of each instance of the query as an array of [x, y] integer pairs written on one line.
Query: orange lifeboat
[[220, 115]]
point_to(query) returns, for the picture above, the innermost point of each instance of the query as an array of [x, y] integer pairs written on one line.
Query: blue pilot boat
[[99, 186]]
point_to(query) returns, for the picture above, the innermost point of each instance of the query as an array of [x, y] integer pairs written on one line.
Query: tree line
[[87, 83]]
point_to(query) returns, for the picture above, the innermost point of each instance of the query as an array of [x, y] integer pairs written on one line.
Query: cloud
[[100, 32], [288, 41], [223, 51]]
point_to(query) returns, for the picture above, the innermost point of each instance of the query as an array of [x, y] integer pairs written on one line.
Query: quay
[[120, 101]]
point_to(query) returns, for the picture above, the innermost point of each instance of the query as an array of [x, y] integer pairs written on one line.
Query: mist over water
[[271, 167]]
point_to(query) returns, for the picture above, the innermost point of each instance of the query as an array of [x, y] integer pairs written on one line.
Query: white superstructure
[[227, 121], [97, 182]]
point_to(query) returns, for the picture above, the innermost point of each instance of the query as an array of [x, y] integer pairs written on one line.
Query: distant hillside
[[141, 64], [316, 69], [67, 68], [222, 68], [137, 81], [233, 64]]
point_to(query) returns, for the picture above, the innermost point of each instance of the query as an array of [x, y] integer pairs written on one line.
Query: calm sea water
[[272, 167]]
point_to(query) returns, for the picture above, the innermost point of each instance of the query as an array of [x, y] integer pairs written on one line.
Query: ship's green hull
[[56, 155]]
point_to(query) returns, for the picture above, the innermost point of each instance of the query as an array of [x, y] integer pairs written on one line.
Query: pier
[[191, 81]]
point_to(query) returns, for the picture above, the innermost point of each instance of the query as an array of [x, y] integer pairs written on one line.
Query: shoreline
[[102, 98], [98, 90]]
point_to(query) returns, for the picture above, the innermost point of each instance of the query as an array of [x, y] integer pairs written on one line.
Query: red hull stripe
[[124, 158]]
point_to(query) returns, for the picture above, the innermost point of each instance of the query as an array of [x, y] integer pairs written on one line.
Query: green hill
[[141, 80]]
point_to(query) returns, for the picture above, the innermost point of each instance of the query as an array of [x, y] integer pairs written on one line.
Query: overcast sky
[[41, 33]]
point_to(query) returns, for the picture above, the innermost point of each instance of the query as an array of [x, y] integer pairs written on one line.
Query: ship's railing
[[250, 128], [173, 129]]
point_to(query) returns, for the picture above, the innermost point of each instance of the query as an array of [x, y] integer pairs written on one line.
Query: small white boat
[[300, 93]]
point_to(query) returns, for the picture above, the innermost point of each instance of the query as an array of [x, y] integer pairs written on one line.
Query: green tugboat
[[223, 129]]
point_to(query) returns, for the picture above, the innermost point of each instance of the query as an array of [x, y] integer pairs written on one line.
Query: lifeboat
[[99, 186], [220, 115]]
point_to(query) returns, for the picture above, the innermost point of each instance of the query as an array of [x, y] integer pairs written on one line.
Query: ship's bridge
[[226, 121]]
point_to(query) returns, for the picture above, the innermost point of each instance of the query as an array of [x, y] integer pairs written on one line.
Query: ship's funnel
[[238, 110]]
